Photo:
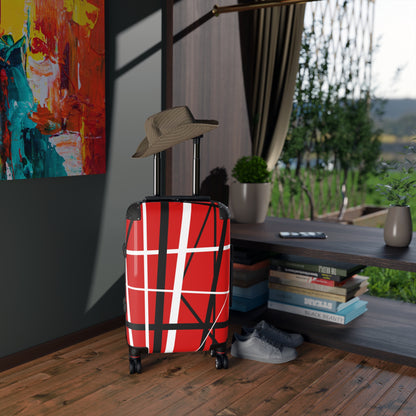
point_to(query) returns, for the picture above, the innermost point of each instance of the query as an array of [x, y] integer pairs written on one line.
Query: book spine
[[308, 292], [312, 273], [284, 280], [326, 305], [310, 313], [325, 282], [305, 278]]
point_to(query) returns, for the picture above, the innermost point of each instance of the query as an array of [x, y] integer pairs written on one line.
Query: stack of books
[[249, 279], [321, 289]]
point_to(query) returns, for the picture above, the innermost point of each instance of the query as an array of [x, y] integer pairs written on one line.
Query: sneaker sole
[[261, 359]]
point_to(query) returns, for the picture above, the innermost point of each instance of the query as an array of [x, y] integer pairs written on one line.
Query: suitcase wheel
[[221, 361], [135, 365]]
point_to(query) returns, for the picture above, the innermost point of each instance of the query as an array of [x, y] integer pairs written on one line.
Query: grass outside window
[[387, 283]]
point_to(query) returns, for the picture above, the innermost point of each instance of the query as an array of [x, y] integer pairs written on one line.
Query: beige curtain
[[270, 41]]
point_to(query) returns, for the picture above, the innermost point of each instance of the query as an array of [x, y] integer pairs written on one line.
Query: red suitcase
[[177, 275]]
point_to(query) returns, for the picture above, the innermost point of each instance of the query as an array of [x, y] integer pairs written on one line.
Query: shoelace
[[271, 328], [269, 340]]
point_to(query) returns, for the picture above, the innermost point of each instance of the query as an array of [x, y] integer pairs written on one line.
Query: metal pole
[[217, 10]]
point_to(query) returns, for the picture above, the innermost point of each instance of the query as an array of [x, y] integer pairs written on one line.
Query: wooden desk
[[350, 243], [387, 329]]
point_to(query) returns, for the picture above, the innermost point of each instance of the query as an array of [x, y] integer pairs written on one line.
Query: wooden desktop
[[351, 243]]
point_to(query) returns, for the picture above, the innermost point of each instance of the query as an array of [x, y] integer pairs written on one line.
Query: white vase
[[249, 202], [398, 229]]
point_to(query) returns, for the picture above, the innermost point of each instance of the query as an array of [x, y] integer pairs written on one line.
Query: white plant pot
[[398, 229], [249, 202]]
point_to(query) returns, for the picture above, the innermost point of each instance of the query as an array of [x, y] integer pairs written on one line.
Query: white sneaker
[[254, 347]]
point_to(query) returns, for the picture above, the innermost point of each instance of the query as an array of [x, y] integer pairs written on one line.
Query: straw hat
[[170, 127]]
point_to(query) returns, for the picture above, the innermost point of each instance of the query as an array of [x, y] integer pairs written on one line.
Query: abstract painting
[[52, 88]]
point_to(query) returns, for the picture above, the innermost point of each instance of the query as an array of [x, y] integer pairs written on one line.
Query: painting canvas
[[52, 88]]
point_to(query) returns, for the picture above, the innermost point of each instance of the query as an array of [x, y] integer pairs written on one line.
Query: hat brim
[[179, 135]]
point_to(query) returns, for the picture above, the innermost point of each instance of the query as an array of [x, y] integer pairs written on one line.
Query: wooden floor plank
[[365, 399], [186, 387], [292, 389], [280, 388], [338, 396], [392, 401], [196, 393], [288, 388], [236, 386], [409, 407], [58, 370], [161, 373], [318, 389], [308, 356], [89, 370], [95, 378], [45, 362], [92, 378]]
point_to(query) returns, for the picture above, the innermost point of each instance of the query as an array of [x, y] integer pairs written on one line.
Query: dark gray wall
[[61, 264]]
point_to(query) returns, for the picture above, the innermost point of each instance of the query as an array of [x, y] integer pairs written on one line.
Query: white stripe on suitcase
[[194, 292], [180, 269], [176, 251]]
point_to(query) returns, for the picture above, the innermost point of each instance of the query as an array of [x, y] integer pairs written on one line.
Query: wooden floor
[[91, 378]]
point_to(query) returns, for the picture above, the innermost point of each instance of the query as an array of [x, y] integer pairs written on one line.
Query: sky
[[395, 35]]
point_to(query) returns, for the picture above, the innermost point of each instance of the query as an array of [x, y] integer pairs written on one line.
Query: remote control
[[302, 234]]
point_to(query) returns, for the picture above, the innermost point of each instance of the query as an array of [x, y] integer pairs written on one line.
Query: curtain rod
[[217, 10]]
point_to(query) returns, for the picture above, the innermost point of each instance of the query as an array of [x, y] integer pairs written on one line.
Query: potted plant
[[250, 194], [398, 188]]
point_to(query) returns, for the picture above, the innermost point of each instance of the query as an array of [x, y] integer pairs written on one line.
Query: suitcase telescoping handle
[[196, 170], [157, 157]]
